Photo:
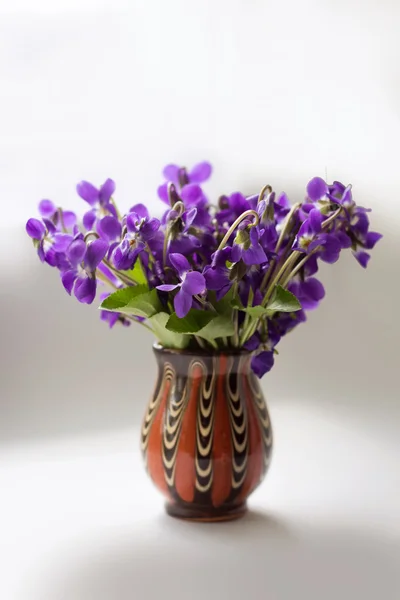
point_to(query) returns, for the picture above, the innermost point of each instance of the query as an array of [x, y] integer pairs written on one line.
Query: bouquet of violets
[[239, 273]]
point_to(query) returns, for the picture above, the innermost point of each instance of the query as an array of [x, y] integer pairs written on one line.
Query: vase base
[[206, 515]]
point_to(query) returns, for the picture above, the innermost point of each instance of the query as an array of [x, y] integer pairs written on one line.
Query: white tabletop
[[79, 520]]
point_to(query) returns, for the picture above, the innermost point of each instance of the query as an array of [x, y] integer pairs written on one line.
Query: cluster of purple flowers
[[240, 273]]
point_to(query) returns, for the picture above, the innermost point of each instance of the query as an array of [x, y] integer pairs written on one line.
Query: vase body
[[206, 435]]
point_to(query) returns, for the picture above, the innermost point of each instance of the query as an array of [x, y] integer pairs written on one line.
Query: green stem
[[121, 276], [262, 193], [235, 337], [61, 214], [254, 324], [286, 227], [298, 267], [200, 342], [247, 213], [213, 343], [286, 265], [104, 279], [151, 257], [139, 322], [116, 208], [89, 234]]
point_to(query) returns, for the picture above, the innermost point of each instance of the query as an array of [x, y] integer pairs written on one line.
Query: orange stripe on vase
[[255, 455], [185, 470], [222, 443], [154, 448]]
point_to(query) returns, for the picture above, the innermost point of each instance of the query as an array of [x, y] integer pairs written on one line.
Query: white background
[[268, 91]]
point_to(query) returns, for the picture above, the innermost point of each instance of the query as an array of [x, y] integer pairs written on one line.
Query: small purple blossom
[[180, 177], [309, 292], [218, 274], [231, 207], [262, 362], [81, 276], [139, 231], [60, 219], [99, 199], [48, 240], [308, 232], [191, 284], [250, 249]]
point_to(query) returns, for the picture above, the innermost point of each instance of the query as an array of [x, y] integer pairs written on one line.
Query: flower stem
[[200, 342], [104, 279], [116, 208], [286, 227], [261, 195], [298, 267], [90, 234], [121, 276], [139, 322], [235, 224], [61, 214]]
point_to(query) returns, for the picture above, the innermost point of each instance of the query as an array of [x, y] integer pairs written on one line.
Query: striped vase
[[206, 435]]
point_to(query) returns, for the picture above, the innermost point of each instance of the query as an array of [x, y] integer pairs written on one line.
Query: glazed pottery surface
[[206, 435]]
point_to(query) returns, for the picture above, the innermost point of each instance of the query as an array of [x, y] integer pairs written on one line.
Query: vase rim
[[158, 348]]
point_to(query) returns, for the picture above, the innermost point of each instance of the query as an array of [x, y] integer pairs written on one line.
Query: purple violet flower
[[49, 241], [81, 276], [139, 231], [49, 210], [309, 292], [308, 232], [262, 362], [231, 207], [362, 258], [192, 283], [180, 177], [217, 275], [99, 199], [251, 251]]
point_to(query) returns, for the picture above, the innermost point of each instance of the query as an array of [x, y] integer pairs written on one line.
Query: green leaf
[[137, 274], [219, 326], [167, 338], [136, 301], [283, 301], [205, 324], [224, 306], [194, 321], [255, 311]]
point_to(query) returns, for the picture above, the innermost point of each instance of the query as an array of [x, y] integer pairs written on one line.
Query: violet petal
[[95, 253], [85, 289], [106, 191], [317, 189], [109, 227], [171, 173], [194, 283], [362, 258], [68, 280], [88, 192], [200, 172], [182, 303], [141, 210], [89, 219], [167, 287], [180, 263], [262, 363], [35, 229], [76, 251], [47, 208]]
